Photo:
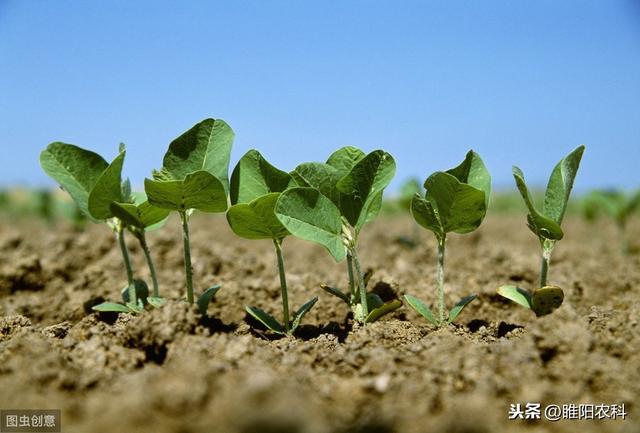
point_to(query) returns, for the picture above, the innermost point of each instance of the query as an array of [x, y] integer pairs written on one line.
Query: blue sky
[[520, 82]]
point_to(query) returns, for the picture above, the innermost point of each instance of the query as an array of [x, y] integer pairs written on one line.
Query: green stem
[[188, 270], [283, 285], [624, 242], [544, 267], [152, 268], [352, 286], [363, 290], [127, 264], [440, 279]]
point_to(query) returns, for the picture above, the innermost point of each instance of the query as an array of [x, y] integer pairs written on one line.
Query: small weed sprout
[[333, 202], [618, 205], [194, 176], [546, 225], [255, 188], [455, 201]]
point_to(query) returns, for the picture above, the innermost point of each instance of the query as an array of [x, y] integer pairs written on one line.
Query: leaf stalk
[[283, 285], [188, 269]]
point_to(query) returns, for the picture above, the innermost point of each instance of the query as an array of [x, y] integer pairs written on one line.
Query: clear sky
[[520, 82]]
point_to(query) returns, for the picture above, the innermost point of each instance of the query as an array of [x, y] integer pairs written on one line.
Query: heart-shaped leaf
[[266, 319], [257, 219], [204, 147], [516, 294], [309, 215], [76, 170], [205, 299], [108, 189], [143, 215], [560, 185], [300, 313], [344, 159], [254, 177], [546, 299], [199, 190], [322, 177], [421, 309], [472, 171], [457, 309], [380, 311]]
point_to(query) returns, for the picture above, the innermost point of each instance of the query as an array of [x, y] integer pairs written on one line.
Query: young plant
[[545, 224], [618, 206], [255, 188], [94, 184], [194, 176], [333, 202], [455, 201]]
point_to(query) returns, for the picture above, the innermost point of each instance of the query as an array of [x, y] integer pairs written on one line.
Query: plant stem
[[127, 264], [624, 242], [152, 268], [544, 267], [363, 290], [188, 270], [283, 285], [352, 286], [440, 279]]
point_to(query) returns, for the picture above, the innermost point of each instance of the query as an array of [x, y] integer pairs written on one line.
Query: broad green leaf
[[254, 177], [560, 184], [309, 215], [421, 308], [516, 294], [472, 171], [300, 313], [425, 215], [111, 307], [373, 209], [335, 292], [538, 223], [363, 183], [322, 177], [199, 190], [143, 215], [459, 207], [76, 170], [385, 308], [344, 159], [206, 146], [546, 299], [257, 220], [266, 319], [107, 189], [205, 299], [457, 309]]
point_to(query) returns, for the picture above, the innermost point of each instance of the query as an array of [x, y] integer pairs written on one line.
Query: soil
[[170, 370]]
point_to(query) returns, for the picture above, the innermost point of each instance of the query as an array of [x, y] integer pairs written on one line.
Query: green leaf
[[385, 308], [107, 189], [421, 308], [199, 190], [156, 301], [457, 309], [423, 212], [111, 307], [257, 220], [374, 301], [266, 319], [205, 299], [472, 171], [143, 216], [300, 313], [254, 177], [539, 224], [309, 215], [344, 159], [76, 170], [368, 177], [142, 291], [546, 299], [204, 147], [560, 185], [322, 177], [335, 292], [459, 207], [516, 294]]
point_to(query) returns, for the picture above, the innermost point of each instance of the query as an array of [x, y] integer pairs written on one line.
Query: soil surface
[[170, 370]]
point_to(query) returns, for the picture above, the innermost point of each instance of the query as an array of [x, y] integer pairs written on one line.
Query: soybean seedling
[[94, 184], [618, 205], [256, 186], [330, 207], [546, 225], [194, 176], [455, 201]]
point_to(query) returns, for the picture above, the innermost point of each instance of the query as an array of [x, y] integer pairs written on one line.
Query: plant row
[[328, 203]]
